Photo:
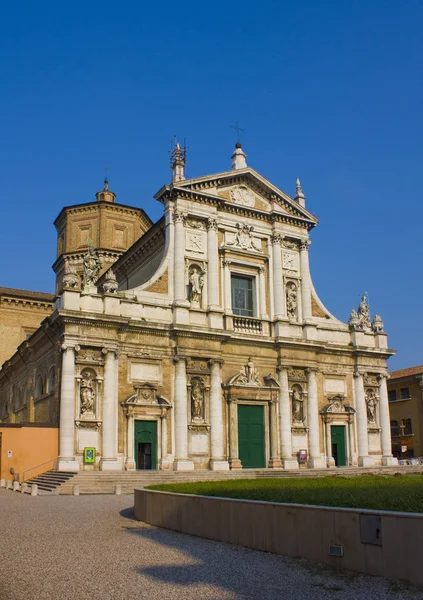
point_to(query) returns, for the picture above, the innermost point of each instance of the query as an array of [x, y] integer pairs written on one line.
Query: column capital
[[261, 269], [310, 370], [65, 346], [179, 216], [212, 224], [276, 238], [280, 367], [382, 376], [216, 361], [226, 262], [106, 351], [304, 244], [360, 373], [180, 357]]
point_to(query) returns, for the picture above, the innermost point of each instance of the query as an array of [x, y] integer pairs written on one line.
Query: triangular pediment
[[246, 188]]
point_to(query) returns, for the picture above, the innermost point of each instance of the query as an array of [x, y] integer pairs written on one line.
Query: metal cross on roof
[[238, 129]]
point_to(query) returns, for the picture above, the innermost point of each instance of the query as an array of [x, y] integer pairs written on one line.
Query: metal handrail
[[36, 467]]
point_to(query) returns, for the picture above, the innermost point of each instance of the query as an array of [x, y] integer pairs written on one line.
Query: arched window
[[39, 387], [50, 382]]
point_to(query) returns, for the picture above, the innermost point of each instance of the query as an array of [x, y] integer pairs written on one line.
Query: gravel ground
[[90, 547]]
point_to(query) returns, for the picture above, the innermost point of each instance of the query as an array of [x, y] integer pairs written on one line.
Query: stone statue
[[251, 372], [354, 321], [196, 280], [360, 319], [197, 399], [87, 393], [110, 284], [377, 324], [291, 300], [371, 406], [70, 278], [92, 266], [297, 406]]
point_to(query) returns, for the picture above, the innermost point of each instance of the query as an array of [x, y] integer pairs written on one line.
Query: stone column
[[274, 461], [213, 265], [262, 289], [164, 461], [228, 289], [130, 462], [109, 460], [234, 461], [330, 462], [305, 280], [66, 461], [385, 423], [285, 419], [179, 264], [278, 291], [315, 459], [181, 462], [364, 459], [350, 441], [218, 461]]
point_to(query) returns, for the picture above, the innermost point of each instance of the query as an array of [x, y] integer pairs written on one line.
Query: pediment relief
[[249, 375], [146, 394], [337, 405]]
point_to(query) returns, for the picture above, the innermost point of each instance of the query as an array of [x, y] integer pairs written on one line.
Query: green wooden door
[[251, 436], [339, 445], [145, 440]]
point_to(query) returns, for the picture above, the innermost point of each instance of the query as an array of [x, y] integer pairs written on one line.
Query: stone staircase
[[104, 482], [50, 481]]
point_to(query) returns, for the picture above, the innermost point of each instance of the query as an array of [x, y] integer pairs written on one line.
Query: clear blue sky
[[329, 91]]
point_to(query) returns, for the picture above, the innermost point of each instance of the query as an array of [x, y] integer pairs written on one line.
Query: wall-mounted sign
[[302, 456], [89, 455]]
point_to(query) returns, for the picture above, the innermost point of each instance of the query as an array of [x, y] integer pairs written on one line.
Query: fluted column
[[66, 461], [285, 419], [315, 458], [179, 265], [130, 462], [364, 459], [385, 423], [275, 460], [234, 461], [218, 461], [278, 291], [181, 463], [213, 265], [109, 427], [305, 280]]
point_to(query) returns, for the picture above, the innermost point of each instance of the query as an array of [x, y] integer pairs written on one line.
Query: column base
[[317, 463], [330, 462], [235, 463], [215, 318], [310, 332], [389, 461], [365, 461], [130, 464], [181, 314], [183, 464], [289, 464], [219, 465], [66, 464], [165, 465], [109, 464], [274, 463]]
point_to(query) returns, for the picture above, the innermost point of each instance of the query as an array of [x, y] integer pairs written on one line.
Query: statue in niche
[[371, 406], [196, 281], [92, 266], [87, 393], [197, 399], [297, 405], [291, 300]]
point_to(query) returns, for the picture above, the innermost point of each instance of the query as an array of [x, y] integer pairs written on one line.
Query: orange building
[[405, 394]]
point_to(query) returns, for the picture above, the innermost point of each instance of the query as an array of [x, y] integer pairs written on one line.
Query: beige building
[[205, 345], [405, 393]]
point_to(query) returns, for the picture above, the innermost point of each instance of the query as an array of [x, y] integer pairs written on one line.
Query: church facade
[[203, 345]]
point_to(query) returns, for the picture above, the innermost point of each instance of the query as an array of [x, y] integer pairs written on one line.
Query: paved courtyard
[[90, 547]]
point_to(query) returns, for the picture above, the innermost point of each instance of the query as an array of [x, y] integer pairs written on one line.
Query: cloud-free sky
[[329, 91]]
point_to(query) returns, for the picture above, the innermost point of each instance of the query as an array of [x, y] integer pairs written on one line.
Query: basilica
[[199, 341]]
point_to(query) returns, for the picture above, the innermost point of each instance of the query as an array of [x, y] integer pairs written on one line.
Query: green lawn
[[383, 492]]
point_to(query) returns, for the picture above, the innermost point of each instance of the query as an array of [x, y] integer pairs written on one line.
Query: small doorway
[[339, 446], [251, 438], [145, 439]]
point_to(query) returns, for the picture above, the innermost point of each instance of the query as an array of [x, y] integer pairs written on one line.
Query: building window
[[392, 395], [405, 393], [243, 293], [406, 427], [395, 429]]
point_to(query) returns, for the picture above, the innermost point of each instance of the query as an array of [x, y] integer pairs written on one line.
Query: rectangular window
[[406, 427], [405, 393], [243, 289], [392, 395], [395, 429]]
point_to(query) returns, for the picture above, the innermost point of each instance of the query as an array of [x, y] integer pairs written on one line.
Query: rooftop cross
[[238, 130]]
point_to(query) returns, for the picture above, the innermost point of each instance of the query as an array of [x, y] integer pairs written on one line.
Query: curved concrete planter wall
[[373, 542]]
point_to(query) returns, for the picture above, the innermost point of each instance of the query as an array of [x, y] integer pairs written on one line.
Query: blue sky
[[329, 91]]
